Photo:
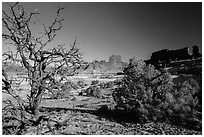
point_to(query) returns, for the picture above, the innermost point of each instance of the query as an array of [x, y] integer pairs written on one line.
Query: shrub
[[94, 82], [118, 81], [151, 95], [110, 84], [137, 91], [195, 81], [102, 85], [61, 94], [92, 91], [183, 102], [81, 84], [62, 90]]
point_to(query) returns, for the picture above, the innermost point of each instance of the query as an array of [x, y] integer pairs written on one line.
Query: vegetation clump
[[94, 82], [81, 83], [62, 90], [92, 91], [105, 85], [151, 95]]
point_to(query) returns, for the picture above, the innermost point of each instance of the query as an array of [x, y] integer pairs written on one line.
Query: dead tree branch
[[29, 53]]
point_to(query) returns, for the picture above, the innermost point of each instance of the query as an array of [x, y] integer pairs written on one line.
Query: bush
[[94, 82], [195, 81], [92, 91], [102, 85], [152, 96], [81, 84], [110, 84], [62, 90], [183, 102]]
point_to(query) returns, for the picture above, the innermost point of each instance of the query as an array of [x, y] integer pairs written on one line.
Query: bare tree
[[41, 65]]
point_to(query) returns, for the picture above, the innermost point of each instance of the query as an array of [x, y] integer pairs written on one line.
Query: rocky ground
[[77, 118], [77, 123]]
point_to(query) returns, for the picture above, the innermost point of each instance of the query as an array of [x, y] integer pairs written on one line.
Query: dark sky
[[126, 29]]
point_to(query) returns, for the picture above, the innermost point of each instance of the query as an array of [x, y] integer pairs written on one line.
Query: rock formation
[[114, 65]]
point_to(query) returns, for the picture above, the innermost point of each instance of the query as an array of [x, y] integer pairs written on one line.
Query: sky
[[130, 29]]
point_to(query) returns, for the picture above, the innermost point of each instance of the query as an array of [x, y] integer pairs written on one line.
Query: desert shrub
[[102, 85], [183, 102], [195, 81], [62, 90], [94, 82], [82, 92], [92, 91], [152, 96], [137, 91], [61, 94], [110, 84], [118, 81], [81, 83]]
